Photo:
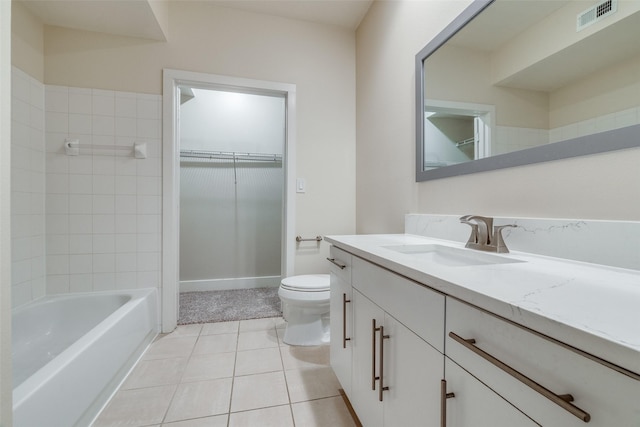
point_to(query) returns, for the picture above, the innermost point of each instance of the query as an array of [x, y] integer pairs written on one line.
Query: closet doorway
[[227, 198]]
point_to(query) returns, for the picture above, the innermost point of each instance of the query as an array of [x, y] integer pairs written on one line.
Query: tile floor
[[229, 374]]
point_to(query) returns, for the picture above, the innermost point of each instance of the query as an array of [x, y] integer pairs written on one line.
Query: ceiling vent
[[596, 13]]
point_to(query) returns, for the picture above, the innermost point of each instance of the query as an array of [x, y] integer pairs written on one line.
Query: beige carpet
[[227, 305]]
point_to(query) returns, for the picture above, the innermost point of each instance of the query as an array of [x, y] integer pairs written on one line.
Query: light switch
[[301, 186]]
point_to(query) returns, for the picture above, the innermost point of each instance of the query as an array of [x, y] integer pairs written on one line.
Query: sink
[[450, 256]]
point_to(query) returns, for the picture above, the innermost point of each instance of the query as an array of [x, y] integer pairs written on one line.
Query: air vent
[[596, 13]]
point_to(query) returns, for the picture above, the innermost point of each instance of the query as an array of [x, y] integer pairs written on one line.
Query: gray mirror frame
[[618, 139]]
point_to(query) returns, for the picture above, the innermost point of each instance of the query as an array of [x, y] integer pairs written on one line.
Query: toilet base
[[308, 331]]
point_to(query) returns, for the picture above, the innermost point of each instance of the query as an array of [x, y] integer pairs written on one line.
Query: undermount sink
[[451, 256]]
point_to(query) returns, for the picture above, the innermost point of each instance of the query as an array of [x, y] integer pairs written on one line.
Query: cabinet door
[[341, 331], [412, 371], [364, 398], [475, 405]]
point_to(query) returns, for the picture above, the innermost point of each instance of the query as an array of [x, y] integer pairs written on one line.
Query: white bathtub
[[70, 353]]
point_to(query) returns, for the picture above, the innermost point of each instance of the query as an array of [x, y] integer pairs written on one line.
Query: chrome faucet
[[484, 236]]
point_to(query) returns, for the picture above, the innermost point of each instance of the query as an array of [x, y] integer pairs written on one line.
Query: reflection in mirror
[[512, 80]]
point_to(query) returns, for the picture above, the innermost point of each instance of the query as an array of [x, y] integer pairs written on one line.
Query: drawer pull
[[374, 378], [382, 386], [443, 402], [333, 261], [562, 400], [344, 320]]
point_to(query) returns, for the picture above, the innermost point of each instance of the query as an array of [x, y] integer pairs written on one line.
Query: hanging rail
[[72, 147], [226, 155]]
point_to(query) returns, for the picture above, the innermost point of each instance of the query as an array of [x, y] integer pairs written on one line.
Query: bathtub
[[70, 352]]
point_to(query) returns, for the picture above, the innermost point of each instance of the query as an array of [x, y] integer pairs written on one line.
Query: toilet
[[305, 308]]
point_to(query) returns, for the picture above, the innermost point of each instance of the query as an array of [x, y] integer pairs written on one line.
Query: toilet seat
[[306, 283]]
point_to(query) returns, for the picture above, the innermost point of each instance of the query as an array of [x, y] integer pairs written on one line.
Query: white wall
[[5, 215], [604, 186], [318, 59]]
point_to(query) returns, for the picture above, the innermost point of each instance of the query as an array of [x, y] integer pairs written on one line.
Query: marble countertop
[[592, 307]]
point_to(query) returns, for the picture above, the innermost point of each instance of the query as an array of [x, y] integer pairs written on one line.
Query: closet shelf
[[233, 156]]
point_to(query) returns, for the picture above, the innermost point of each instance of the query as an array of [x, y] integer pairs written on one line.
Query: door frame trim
[[172, 79]]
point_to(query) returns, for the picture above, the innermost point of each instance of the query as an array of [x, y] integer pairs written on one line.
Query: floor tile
[[220, 328], [304, 357], [216, 421], [200, 399], [258, 324], [258, 361], [276, 416], [209, 344], [167, 347], [155, 372], [139, 407], [209, 367], [311, 383], [187, 330], [253, 340], [322, 413], [259, 391]]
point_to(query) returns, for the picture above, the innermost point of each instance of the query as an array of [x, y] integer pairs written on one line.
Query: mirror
[[516, 82]]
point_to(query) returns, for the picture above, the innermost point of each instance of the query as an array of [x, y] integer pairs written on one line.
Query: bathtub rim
[[28, 387]]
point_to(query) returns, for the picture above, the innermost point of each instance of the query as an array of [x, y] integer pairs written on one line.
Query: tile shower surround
[[27, 188]]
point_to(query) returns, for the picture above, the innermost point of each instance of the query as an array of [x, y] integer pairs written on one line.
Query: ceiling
[[136, 18]]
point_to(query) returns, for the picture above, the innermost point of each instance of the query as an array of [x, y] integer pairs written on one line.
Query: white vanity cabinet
[[534, 374], [341, 325], [472, 404], [396, 368]]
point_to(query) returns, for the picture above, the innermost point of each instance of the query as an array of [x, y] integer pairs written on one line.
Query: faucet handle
[[501, 247]]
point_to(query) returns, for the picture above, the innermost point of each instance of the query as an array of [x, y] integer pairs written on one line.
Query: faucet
[[484, 236]]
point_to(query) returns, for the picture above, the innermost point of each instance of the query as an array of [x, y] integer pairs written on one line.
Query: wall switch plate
[[301, 185]]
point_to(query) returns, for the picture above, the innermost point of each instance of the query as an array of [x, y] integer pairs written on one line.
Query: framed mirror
[[517, 82]]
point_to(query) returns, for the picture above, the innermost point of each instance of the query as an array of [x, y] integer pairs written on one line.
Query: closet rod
[[226, 155]]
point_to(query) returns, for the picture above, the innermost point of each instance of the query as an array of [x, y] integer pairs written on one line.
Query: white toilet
[[305, 307]]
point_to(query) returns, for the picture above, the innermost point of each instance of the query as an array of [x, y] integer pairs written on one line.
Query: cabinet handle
[[561, 400], [333, 261], [344, 320], [382, 386], [443, 402], [373, 355]]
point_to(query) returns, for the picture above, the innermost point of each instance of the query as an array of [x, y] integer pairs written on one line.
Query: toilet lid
[[307, 283]]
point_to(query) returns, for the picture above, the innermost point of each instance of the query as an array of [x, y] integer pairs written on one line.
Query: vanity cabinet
[[472, 404], [341, 323], [533, 373], [396, 371]]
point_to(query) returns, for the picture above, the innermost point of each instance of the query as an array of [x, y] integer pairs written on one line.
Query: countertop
[[591, 307]]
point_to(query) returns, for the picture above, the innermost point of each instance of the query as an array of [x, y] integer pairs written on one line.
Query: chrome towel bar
[[314, 239]]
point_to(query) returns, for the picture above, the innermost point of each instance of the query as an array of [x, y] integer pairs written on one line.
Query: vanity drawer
[[417, 307], [340, 262], [607, 396]]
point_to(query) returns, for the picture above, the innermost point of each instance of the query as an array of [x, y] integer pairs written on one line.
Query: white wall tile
[[104, 263], [80, 123], [56, 99], [148, 242], [126, 280], [104, 281], [57, 244], [125, 104], [80, 204], [80, 100], [58, 284], [80, 165], [148, 261], [149, 186], [104, 204], [57, 122], [125, 126], [57, 203], [149, 223], [81, 264], [126, 185], [126, 262], [103, 125], [57, 224], [80, 282], [104, 243], [80, 224], [103, 102], [104, 224], [126, 243], [149, 205], [81, 243], [125, 204], [104, 184], [57, 264], [126, 223], [80, 184]]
